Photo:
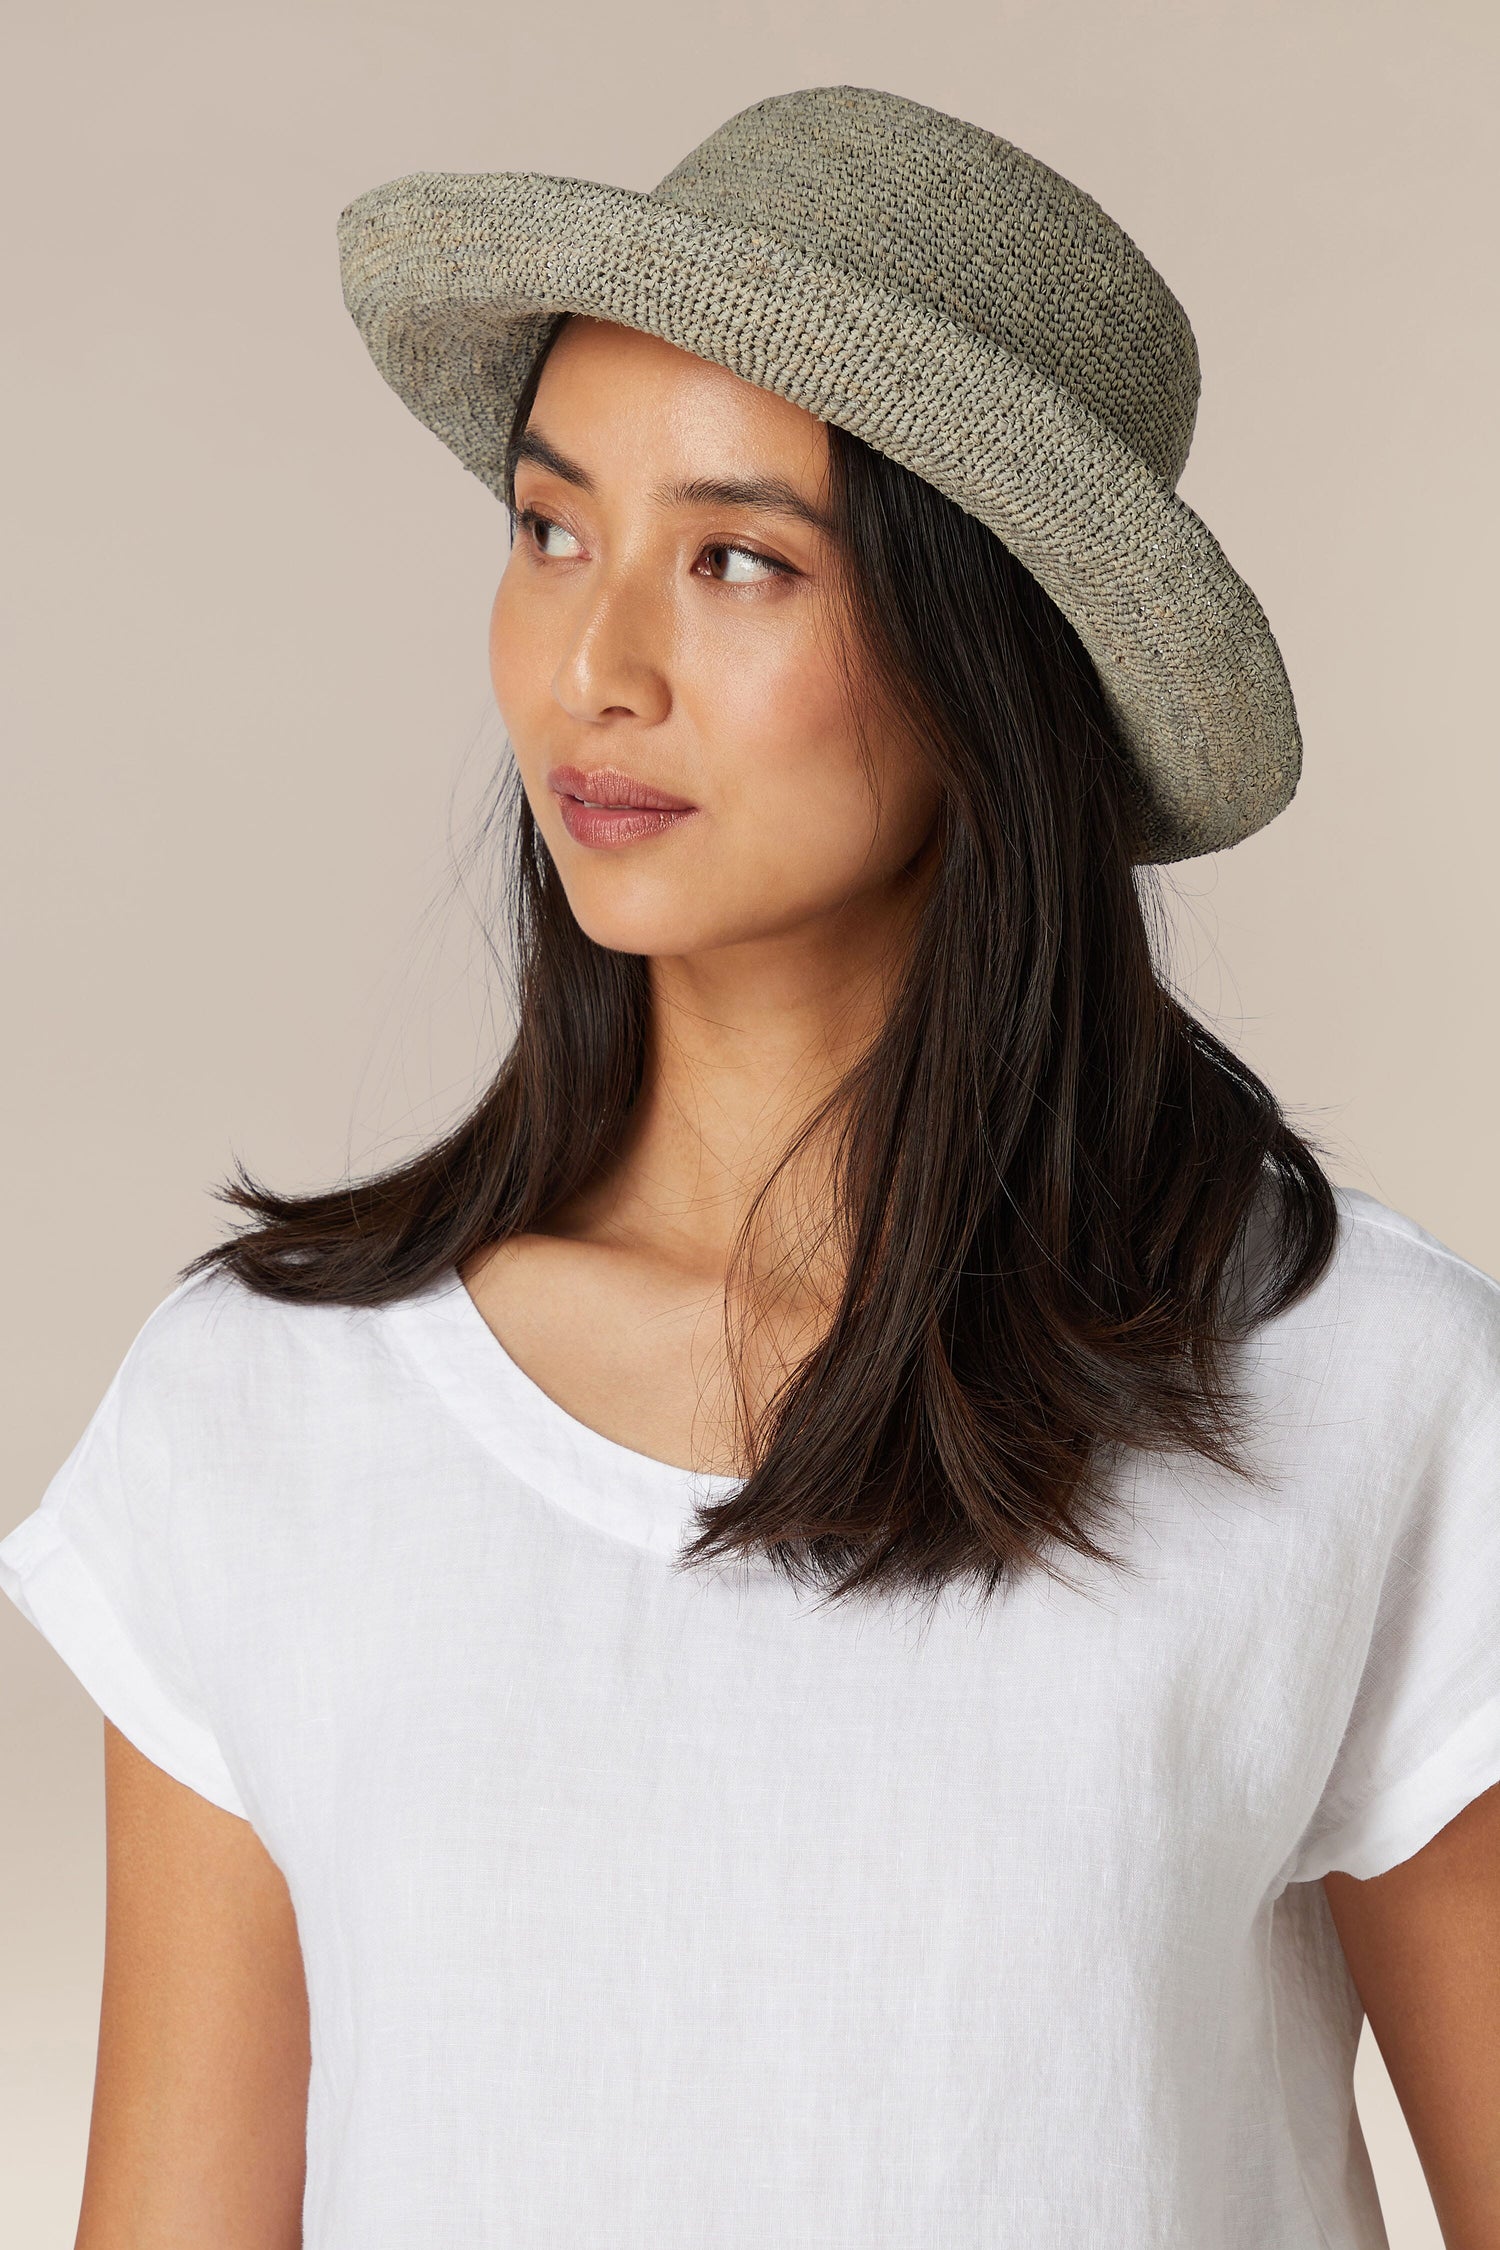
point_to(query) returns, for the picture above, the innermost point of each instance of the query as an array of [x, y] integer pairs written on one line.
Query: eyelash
[[530, 518]]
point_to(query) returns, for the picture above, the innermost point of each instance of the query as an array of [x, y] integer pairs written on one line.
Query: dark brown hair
[[1048, 1173]]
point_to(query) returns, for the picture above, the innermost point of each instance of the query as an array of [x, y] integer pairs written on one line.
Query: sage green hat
[[949, 299]]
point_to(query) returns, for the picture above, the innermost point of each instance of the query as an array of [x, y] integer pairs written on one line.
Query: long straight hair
[[1046, 1175]]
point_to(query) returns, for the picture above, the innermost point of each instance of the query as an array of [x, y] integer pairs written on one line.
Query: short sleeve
[[92, 1569], [1422, 1739]]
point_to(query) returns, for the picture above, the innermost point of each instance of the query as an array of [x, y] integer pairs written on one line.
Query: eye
[[538, 527], [741, 555]]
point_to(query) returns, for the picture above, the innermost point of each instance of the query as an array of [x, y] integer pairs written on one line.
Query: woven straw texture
[[951, 300]]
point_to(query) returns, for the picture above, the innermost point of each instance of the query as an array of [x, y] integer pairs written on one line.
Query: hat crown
[[955, 219]]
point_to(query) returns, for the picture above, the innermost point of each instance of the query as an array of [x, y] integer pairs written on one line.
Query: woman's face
[[668, 619]]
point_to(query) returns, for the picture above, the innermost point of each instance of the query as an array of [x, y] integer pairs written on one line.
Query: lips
[[607, 808], [607, 786]]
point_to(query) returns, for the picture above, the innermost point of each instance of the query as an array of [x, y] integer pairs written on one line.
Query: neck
[[745, 1043]]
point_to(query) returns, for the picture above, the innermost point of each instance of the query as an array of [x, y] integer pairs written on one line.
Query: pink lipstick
[[610, 807]]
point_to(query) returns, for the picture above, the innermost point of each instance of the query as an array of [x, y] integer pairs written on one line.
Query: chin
[[664, 928], [660, 931]]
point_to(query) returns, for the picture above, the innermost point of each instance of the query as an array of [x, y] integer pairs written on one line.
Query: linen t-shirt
[[653, 1909]]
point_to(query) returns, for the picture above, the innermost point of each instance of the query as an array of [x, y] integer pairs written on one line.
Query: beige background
[[249, 715]]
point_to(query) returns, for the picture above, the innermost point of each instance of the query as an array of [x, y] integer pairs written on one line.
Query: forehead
[[604, 384]]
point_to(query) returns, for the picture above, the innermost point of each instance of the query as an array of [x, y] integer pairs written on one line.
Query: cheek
[[806, 813]]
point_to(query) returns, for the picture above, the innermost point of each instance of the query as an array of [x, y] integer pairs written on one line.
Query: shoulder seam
[[1426, 1242]]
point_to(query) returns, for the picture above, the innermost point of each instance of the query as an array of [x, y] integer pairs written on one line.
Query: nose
[[614, 667]]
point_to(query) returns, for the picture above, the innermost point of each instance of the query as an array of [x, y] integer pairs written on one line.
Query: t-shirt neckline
[[651, 1503]]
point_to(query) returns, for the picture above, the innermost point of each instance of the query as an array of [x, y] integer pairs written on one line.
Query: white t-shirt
[[666, 1910]]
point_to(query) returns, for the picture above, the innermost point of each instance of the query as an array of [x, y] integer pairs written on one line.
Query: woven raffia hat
[[936, 291]]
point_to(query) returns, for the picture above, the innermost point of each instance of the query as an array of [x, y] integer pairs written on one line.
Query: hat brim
[[452, 279]]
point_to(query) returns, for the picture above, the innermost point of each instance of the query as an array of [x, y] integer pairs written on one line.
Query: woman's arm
[[1423, 1946], [200, 2096]]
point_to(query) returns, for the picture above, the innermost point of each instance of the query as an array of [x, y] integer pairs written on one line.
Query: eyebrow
[[772, 495]]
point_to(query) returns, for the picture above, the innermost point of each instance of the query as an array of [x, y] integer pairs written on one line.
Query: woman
[[864, 1612]]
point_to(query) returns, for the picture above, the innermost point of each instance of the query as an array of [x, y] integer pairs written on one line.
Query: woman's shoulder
[[1401, 1266], [1398, 1312], [211, 1317], [213, 1346]]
